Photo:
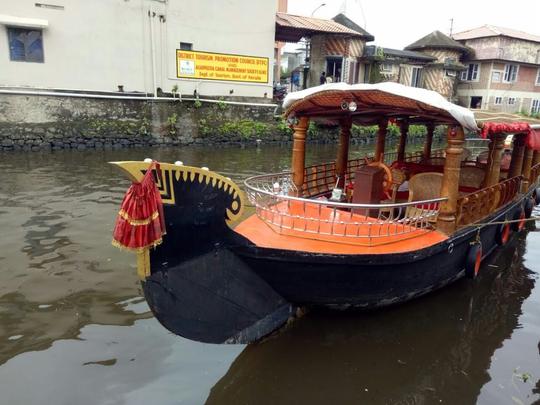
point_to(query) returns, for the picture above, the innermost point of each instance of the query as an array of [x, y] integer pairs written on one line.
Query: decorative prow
[[195, 284]]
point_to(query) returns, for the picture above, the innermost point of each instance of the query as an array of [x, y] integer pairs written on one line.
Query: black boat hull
[[211, 284], [366, 281]]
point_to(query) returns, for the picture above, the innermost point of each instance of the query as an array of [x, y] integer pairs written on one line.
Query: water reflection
[[59, 271], [72, 320], [436, 349]]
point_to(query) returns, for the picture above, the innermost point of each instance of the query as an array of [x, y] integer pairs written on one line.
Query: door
[[334, 67]]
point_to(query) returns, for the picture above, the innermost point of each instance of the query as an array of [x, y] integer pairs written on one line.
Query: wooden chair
[[398, 178], [471, 176], [424, 186]]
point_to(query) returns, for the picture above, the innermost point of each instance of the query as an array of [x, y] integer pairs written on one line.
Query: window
[[386, 67], [511, 101], [510, 73], [333, 69], [498, 100], [367, 72], [186, 46], [496, 76], [354, 67], [471, 74], [416, 76], [25, 45], [537, 77], [535, 108]]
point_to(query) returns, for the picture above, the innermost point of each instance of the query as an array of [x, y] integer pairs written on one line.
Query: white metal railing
[[273, 196]]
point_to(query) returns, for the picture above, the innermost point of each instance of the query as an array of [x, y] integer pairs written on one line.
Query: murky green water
[[74, 330]]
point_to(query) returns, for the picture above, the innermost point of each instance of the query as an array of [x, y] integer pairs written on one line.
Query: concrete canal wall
[[32, 122], [37, 122]]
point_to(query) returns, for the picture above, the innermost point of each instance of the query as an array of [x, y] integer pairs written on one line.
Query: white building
[[99, 45]]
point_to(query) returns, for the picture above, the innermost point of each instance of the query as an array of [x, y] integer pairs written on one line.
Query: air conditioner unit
[[451, 73], [449, 61]]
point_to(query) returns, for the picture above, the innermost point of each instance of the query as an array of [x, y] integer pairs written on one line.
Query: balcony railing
[[273, 196], [475, 206], [320, 179]]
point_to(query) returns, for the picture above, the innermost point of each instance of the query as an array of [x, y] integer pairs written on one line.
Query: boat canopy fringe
[[140, 223], [331, 102], [532, 135]]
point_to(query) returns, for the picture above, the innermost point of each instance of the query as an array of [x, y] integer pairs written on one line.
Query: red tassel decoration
[[140, 223]]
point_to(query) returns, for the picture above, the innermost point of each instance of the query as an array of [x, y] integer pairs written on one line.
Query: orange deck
[[270, 236]]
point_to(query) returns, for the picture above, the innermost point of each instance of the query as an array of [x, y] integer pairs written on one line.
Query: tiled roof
[[291, 27], [347, 22], [408, 54], [493, 31], [436, 40]]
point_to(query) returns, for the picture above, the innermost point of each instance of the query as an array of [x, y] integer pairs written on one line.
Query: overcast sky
[[398, 23]]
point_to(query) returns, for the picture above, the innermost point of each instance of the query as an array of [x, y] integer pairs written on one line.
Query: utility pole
[[451, 27]]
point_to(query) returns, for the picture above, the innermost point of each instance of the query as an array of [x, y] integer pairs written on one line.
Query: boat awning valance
[[375, 101], [532, 133]]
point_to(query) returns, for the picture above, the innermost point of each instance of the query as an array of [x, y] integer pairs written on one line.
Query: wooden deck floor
[[265, 235]]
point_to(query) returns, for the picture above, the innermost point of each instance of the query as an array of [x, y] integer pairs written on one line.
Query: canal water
[[75, 330]]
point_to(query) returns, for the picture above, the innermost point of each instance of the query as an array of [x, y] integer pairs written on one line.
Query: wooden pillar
[[493, 168], [446, 222], [526, 169], [536, 158], [429, 141], [403, 132], [381, 138], [535, 161], [343, 151], [299, 152], [518, 151]]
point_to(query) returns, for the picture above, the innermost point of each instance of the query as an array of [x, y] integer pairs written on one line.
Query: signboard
[[221, 66]]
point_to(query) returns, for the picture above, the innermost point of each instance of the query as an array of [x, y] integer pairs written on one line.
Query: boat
[[349, 234], [337, 353]]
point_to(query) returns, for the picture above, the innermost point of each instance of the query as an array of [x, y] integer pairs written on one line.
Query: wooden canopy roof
[[329, 103]]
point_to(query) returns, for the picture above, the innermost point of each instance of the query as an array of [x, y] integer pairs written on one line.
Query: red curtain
[[140, 223], [532, 139]]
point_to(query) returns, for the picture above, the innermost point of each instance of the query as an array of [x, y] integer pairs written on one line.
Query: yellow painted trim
[[143, 264], [118, 245], [134, 171], [138, 222]]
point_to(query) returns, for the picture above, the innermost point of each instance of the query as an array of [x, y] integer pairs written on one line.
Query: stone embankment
[[38, 122]]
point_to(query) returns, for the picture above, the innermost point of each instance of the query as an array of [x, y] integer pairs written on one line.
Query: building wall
[[505, 48], [281, 7], [392, 74], [435, 79], [83, 46], [322, 46], [443, 54], [484, 73], [524, 90], [405, 76], [100, 44], [318, 60], [526, 77]]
